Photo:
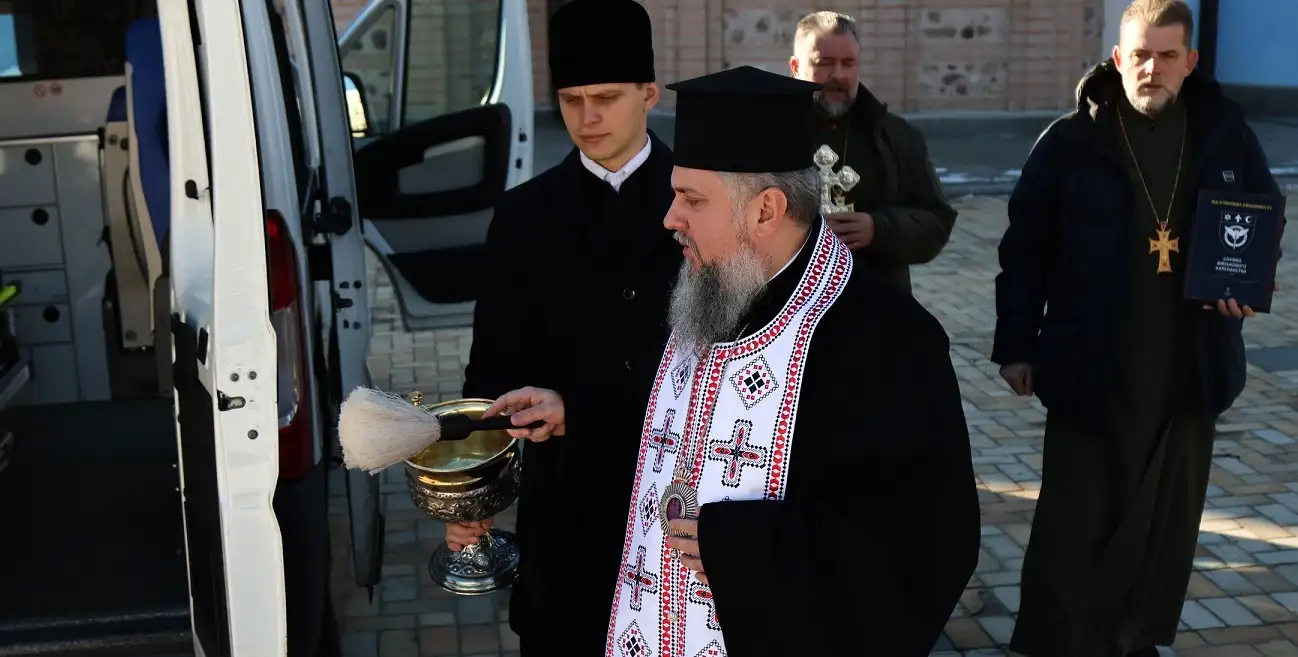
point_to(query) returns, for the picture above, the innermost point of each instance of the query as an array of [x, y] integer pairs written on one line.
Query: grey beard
[[1148, 106], [707, 305], [1151, 107], [836, 109]]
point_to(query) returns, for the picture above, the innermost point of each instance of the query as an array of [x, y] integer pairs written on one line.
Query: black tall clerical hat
[[744, 120], [600, 42]]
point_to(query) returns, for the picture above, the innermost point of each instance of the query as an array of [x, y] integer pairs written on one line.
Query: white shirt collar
[[795, 257], [615, 179]]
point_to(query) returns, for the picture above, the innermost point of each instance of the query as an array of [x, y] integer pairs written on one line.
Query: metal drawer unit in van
[[51, 239]]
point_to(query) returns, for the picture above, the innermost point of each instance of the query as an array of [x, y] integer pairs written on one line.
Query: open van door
[[459, 133], [440, 97], [434, 141], [345, 313], [225, 368]]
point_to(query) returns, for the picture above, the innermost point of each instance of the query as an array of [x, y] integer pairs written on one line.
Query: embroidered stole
[[719, 428]]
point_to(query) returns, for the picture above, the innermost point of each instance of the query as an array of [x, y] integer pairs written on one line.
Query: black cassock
[[878, 532], [577, 302]]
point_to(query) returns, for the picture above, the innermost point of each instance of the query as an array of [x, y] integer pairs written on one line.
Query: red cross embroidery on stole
[[737, 453], [640, 579], [663, 441]]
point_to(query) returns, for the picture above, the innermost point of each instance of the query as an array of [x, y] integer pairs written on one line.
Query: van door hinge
[[340, 302], [335, 218], [225, 402]]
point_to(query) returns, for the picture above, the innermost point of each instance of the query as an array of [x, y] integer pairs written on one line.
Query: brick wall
[[917, 55], [345, 11]]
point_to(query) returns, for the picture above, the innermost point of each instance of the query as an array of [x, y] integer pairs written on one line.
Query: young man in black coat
[[1133, 375], [582, 270]]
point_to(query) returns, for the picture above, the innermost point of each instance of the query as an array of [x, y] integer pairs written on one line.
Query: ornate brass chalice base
[[466, 481]]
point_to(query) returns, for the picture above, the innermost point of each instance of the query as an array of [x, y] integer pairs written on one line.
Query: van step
[[162, 633], [161, 645]]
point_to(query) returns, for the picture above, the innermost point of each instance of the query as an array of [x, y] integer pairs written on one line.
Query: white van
[[182, 267]]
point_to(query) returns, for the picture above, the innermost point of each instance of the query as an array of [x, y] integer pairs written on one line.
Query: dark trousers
[[561, 644]]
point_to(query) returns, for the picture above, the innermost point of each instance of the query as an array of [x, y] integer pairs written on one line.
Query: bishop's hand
[[856, 229], [527, 405], [685, 541]]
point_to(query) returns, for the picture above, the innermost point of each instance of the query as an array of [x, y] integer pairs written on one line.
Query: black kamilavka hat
[[600, 42], [744, 120]]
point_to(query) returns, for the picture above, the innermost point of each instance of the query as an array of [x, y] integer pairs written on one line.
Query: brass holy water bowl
[[467, 481]]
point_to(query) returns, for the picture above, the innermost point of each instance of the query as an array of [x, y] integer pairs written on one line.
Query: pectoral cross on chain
[[1164, 246], [834, 185]]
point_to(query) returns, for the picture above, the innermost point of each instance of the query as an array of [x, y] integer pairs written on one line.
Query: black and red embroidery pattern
[[640, 581], [663, 441], [754, 382], [830, 265], [712, 650], [677, 591], [738, 453], [680, 375], [701, 594], [620, 641], [633, 643], [649, 510], [838, 275]]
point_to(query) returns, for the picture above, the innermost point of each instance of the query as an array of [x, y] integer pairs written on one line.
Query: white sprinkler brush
[[380, 429]]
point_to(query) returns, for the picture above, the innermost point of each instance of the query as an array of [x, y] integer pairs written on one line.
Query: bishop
[[804, 479], [804, 483]]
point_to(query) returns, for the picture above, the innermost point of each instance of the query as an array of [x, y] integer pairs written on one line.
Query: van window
[[451, 57], [9, 66], [61, 39], [372, 58]]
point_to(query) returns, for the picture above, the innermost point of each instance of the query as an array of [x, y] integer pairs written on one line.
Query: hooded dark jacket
[[1070, 212]]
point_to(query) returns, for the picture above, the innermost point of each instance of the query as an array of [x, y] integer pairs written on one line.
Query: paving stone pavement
[[1242, 599]]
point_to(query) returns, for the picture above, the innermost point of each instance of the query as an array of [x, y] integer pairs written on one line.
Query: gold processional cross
[[1164, 246], [834, 185]]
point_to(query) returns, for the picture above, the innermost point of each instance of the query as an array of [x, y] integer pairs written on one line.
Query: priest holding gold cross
[[879, 190], [1144, 229]]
